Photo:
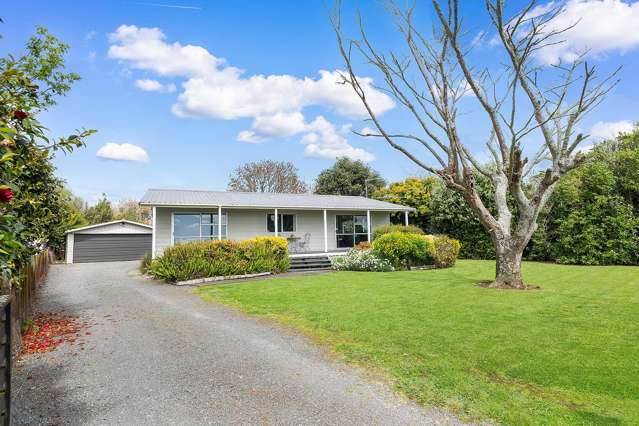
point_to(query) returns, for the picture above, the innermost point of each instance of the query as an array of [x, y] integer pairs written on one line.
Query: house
[[108, 242], [311, 223]]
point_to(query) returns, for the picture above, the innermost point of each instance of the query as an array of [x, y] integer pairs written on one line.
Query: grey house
[[311, 223]]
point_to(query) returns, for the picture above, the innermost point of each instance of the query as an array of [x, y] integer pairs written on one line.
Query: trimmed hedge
[[387, 229], [205, 259], [404, 250]]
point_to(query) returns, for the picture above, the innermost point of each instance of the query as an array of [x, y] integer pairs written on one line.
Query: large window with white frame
[[285, 222], [197, 227]]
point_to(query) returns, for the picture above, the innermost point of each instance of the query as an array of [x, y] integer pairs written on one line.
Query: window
[[285, 223], [197, 226], [350, 230]]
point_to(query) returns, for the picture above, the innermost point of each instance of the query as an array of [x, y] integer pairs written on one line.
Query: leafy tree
[[414, 192], [592, 218], [72, 210], [32, 213], [101, 212], [133, 211], [348, 177], [267, 176], [449, 214]]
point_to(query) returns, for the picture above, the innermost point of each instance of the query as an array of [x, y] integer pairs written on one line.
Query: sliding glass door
[[350, 230]]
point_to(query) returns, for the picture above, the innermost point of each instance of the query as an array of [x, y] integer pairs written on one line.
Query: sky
[[182, 92]]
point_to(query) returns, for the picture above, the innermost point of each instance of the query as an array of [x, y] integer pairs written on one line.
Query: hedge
[[221, 258], [387, 229]]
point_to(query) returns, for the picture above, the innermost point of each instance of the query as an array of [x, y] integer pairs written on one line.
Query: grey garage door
[[110, 247]]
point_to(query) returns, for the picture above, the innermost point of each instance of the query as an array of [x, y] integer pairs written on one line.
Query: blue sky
[[194, 113]]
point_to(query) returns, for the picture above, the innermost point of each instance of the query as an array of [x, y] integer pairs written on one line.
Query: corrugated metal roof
[[191, 198]]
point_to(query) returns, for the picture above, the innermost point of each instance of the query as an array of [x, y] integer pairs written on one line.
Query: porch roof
[[193, 198]]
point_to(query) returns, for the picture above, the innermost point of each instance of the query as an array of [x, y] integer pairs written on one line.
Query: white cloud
[[610, 129], [123, 152], [90, 35], [150, 85], [321, 137], [600, 26], [214, 89], [145, 49], [477, 40], [325, 141]]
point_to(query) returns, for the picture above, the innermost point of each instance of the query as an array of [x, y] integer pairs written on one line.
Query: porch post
[[325, 233], [219, 222], [368, 224], [406, 218], [152, 234], [276, 219]]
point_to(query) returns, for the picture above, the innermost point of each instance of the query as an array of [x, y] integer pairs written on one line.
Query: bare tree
[[519, 99], [267, 176]]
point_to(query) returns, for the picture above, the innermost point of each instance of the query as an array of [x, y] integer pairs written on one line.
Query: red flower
[[5, 195], [20, 115]]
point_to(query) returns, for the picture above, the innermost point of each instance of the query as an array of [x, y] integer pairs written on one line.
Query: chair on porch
[[305, 243]]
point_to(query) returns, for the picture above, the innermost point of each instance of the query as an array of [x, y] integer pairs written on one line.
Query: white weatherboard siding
[[115, 228], [249, 223], [69, 250]]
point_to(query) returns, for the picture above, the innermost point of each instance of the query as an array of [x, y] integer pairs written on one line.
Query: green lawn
[[565, 354]]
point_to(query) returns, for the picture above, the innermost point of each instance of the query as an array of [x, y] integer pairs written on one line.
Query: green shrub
[[405, 250], [387, 229], [221, 258], [445, 250], [361, 260], [145, 263], [604, 232]]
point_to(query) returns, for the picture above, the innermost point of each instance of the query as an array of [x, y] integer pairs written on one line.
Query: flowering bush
[[405, 250], [361, 260], [445, 250], [363, 245], [206, 259]]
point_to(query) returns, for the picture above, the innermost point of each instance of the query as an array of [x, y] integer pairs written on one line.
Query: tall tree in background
[[101, 212], [32, 204], [133, 211], [267, 176], [414, 192], [522, 101], [348, 177]]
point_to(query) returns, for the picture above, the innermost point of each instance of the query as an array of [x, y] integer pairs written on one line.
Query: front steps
[[310, 263]]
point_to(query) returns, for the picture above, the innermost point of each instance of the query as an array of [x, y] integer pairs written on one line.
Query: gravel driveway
[[157, 354]]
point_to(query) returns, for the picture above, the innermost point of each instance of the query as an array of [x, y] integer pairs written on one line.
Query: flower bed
[[400, 250]]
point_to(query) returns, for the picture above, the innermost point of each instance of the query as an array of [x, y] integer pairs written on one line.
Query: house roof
[[191, 198], [99, 225]]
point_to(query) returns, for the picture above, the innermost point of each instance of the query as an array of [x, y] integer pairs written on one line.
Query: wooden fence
[[23, 293], [16, 309]]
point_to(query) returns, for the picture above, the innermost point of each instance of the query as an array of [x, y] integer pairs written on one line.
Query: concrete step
[[310, 263]]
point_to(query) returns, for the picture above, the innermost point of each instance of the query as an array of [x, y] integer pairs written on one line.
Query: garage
[[108, 242]]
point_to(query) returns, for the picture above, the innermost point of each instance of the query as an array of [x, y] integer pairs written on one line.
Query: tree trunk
[[508, 265]]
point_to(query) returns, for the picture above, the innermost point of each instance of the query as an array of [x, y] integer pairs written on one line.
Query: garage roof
[[99, 225], [192, 198]]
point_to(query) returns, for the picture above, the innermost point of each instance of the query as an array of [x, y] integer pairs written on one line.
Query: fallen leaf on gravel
[[48, 331]]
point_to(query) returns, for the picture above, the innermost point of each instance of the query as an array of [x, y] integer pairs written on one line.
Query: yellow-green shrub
[[445, 250], [404, 250], [212, 258], [387, 229]]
